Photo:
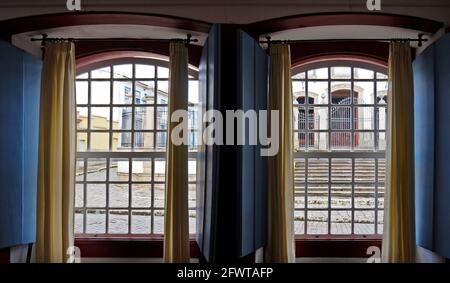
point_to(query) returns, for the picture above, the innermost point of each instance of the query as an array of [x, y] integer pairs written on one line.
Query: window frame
[[130, 155], [304, 153]]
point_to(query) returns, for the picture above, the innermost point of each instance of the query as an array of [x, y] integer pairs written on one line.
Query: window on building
[[340, 141], [121, 135]]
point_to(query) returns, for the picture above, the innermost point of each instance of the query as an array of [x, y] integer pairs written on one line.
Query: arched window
[[340, 142], [121, 141]]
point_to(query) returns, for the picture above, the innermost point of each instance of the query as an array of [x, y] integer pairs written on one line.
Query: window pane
[[341, 72], [299, 222], [83, 76], [145, 71], [364, 118], [80, 170], [141, 222], [193, 91], [163, 72], [341, 92], [100, 92], [318, 170], [118, 195], [163, 92], [158, 222], [79, 222], [364, 196], [364, 170], [382, 92], [317, 141], [363, 73], [299, 76], [317, 195], [192, 222], [341, 222], [118, 222], [341, 195], [79, 195], [321, 73], [341, 141], [142, 170], [118, 169], [95, 221], [96, 169], [102, 73], [100, 118], [82, 118], [159, 195], [123, 92], [299, 92], [96, 195], [317, 92], [122, 141], [123, 71], [143, 142], [341, 170], [143, 118], [141, 195], [317, 222], [363, 92], [364, 141], [82, 92], [341, 118], [364, 222], [145, 92], [99, 141]]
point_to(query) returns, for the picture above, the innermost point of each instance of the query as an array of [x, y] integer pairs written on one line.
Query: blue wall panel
[[19, 116], [424, 146]]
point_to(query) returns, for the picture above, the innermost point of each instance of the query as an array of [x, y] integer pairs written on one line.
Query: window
[[340, 141], [121, 135]]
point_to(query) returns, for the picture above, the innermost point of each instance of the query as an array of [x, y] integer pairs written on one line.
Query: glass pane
[[341, 92], [341, 195], [364, 196], [341, 72], [364, 118], [341, 170], [299, 196], [100, 118], [192, 170], [382, 118], [381, 76], [360, 73], [96, 169], [122, 118], [118, 195], [158, 222], [192, 196], [341, 118], [193, 91], [160, 171], [142, 170], [141, 222], [163, 92], [317, 222], [144, 118], [143, 141], [82, 142], [80, 170], [341, 222], [299, 222], [317, 118], [364, 141], [141, 195], [83, 76], [99, 141], [382, 92], [122, 92], [145, 71], [317, 195], [100, 92], [95, 221], [159, 195], [145, 92], [299, 171], [299, 76], [381, 170], [321, 73], [363, 92], [341, 141], [192, 222], [118, 222], [317, 141], [163, 72], [123, 71], [364, 222], [317, 92], [82, 118], [380, 222], [364, 170], [96, 195], [118, 169], [121, 141], [79, 195], [381, 141], [82, 90], [102, 73], [79, 222], [318, 170], [298, 91]]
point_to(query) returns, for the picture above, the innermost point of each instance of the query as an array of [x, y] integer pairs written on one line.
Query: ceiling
[[230, 11]]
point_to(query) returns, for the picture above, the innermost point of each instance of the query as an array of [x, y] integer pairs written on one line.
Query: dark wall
[[19, 124]]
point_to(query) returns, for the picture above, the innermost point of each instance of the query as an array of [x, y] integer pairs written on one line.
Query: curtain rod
[[45, 39], [420, 39]]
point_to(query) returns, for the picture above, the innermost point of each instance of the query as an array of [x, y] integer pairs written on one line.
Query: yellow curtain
[[57, 144], [280, 241], [399, 241], [176, 233]]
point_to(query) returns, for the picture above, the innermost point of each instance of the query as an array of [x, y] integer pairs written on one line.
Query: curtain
[[280, 239], [176, 233], [399, 242], [57, 145]]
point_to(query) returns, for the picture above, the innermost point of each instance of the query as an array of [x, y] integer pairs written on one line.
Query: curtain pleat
[[176, 233], [280, 246], [57, 145], [399, 242]]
